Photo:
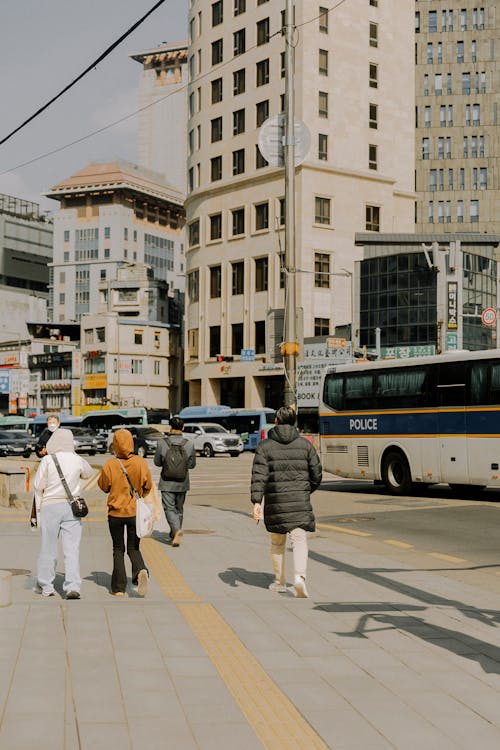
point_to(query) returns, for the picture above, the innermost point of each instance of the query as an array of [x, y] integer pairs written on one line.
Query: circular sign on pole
[[271, 135], [489, 316]]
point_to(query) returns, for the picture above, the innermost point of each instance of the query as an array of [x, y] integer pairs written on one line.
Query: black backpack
[[175, 462]]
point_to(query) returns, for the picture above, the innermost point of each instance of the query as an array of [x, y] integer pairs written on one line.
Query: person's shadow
[[235, 576]]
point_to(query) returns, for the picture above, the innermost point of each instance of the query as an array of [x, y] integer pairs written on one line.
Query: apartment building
[[457, 85], [112, 214], [354, 84]]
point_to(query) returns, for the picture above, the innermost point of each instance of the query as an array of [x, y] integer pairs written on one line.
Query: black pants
[[117, 528]]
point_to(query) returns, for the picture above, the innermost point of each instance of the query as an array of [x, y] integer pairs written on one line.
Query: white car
[[210, 438]]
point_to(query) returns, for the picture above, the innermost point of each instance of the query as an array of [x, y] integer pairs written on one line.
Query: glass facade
[[398, 294], [479, 292]]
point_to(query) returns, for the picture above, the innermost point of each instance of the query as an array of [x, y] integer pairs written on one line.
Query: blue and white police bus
[[422, 420]]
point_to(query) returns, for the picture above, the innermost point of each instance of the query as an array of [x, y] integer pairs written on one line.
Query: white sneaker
[[300, 587], [142, 582], [279, 588]]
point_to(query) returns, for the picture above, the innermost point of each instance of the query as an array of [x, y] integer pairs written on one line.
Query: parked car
[[16, 443], [211, 438], [88, 441], [145, 438]]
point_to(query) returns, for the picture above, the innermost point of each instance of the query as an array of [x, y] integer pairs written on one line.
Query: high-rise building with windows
[[354, 89], [112, 214], [457, 86]]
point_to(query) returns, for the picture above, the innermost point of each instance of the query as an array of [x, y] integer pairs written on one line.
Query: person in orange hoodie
[[121, 510]]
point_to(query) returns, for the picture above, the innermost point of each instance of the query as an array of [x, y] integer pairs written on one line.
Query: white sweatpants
[[300, 552]]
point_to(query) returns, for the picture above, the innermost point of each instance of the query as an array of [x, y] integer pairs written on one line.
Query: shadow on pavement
[[234, 576]]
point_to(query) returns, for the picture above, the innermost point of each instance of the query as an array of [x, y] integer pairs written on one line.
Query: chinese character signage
[[452, 305]]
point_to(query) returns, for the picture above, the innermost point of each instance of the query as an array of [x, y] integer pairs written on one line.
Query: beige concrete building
[[457, 143], [162, 120], [355, 92]]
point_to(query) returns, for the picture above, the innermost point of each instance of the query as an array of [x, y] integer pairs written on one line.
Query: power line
[[153, 103], [84, 73]]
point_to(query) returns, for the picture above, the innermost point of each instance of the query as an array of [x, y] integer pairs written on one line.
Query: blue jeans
[[173, 504], [58, 520]]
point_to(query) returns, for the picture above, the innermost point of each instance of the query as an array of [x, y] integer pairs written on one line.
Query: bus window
[[451, 384], [359, 391], [333, 397], [406, 384], [479, 382]]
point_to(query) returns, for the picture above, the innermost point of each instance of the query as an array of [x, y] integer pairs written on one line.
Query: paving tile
[[161, 733], [210, 736], [102, 736], [22, 731]]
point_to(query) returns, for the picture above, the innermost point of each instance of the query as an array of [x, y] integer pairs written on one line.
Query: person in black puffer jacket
[[286, 469]]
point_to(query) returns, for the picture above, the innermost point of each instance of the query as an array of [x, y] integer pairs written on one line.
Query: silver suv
[[210, 438]]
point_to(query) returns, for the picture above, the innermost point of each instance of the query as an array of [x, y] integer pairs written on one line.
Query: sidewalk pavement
[[380, 656]]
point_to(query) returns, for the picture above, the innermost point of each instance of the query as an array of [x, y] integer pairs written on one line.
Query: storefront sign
[[95, 380], [452, 305]]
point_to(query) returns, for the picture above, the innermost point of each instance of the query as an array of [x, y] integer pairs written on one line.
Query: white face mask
[[52, 427]]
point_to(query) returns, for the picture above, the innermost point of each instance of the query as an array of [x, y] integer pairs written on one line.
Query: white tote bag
[[144, 519]]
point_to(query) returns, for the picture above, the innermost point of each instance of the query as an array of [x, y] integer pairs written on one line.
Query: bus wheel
[[466, 490], [208, 451], [396, 473]]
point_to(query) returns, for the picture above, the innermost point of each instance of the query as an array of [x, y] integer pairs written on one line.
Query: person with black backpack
[[176, 455]]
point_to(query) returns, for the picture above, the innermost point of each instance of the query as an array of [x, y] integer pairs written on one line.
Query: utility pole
[[290, 347]]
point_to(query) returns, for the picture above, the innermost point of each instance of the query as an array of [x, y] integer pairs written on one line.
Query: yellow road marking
[[447, 558], [395, 543], [273, 717], [343, 531]]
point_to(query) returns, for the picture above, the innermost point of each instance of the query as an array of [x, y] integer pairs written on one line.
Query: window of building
[[322, 147], [239, 161], [426, 84], [323, 20], [62, 277], [282, 65], [156, 367], [216, 226], [193, 336], [323, 104], [373, 36], [193, 279], [62, 298], [260, 337], [373, 75], [261, 112], [239, 42], [214, 341], [239, 82], [216, 129], [260, 161], [323, 62], [442, 116], [322, 270], [462, 178], [432, 16], [440, 152], [103, 274], [66, 235], [138, 335], [474, 212], [262, 31], [372, 219], [240, 7], [460, 51], [216, 89], [450, 179], [238, 278], [217, 13], [262, 69], [215, 282], [238, 221], [261, 274], [430, 52], [483, 178], [466, 83], [216, 168], [373, 116], [66, 256], [107, 233], [372, 156], [262, 216], [465, 147], [217, 51], [476, 114], [321, 326], [322, 210], [238, 121], [107, 252], [460, 212], [236, 338], [432, 180], [431, 212], [438, 84], [194, 233]]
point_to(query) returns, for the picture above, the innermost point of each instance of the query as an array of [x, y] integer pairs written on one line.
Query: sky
[[44, 44]]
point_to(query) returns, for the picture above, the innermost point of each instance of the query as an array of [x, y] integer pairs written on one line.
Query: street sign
[[335, 343], [489, 316], [271, 135], [247, 355], [451, 341], [405, 352]]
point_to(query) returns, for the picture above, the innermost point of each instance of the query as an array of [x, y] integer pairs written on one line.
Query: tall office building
[[162, 120], [457, 87], [112, 214], [354, 91]]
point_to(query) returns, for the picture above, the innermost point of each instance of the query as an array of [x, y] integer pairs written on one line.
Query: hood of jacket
[[61, 441], [283, 433], [123, 444]]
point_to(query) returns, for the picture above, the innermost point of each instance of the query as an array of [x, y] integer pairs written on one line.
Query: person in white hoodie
[[55, 515]]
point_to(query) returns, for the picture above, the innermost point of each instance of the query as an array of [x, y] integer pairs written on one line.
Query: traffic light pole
[[290, 346]]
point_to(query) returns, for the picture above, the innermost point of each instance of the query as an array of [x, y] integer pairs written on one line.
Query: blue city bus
[[99, 420], [422, 420], [251, 424]]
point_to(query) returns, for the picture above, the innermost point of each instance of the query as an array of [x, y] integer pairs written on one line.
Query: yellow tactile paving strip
[[273, 717]]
